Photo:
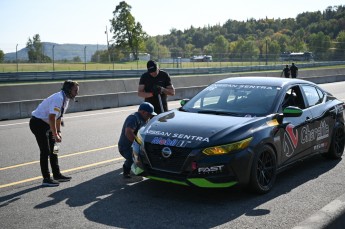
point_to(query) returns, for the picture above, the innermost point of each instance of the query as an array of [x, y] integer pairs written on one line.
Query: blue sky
[[85, 21]]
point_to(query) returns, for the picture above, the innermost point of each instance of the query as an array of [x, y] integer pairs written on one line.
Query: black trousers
[[45, 142]]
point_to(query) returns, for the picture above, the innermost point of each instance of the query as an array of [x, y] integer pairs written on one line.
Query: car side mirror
[[292, 111], [184, 102]]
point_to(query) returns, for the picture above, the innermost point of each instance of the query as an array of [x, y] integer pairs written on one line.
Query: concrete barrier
[[18, 101]]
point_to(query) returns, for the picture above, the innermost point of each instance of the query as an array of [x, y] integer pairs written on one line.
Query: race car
[[241, 130]]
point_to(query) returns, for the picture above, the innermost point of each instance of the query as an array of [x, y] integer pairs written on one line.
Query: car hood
[[184, 129]]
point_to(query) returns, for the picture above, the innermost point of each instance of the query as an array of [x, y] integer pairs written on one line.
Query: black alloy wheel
[[336, 149], [264, 170]]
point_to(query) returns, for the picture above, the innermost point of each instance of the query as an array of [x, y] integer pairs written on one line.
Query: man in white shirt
[[45, 124]]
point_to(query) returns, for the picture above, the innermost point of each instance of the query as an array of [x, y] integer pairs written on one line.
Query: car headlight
[[139, 138], [224, 149]]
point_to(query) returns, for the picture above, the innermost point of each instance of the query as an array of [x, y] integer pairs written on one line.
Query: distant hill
[[61, 51]]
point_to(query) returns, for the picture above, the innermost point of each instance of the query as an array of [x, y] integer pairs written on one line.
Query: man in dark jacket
[[286, 72], [293, 70]]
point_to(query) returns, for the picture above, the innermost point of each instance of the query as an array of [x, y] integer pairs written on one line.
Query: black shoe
[[126, 172], [62, 178], [48, 182]]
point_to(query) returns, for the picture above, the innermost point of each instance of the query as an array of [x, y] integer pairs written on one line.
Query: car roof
[[267, 81]]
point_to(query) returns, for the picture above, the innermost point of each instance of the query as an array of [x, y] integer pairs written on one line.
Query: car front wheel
[[264, 170]]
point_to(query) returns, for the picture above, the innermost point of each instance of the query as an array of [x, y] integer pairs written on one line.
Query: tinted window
[[293, 97], [313, 95], [235, 99]]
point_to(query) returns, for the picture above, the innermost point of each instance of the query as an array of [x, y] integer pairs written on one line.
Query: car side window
[[293, 97], [321, 94], [312, 94]]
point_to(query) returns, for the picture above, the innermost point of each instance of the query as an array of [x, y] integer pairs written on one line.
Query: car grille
[[173, 164]]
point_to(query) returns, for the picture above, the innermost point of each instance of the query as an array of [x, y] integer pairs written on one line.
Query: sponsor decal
[[290, 140], [239, 86], [291, 137], [321, 146], [211, 169], [318, 133], [178, 136], [169, 142]]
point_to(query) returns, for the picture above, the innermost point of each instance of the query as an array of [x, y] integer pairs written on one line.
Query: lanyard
[[63, 105]]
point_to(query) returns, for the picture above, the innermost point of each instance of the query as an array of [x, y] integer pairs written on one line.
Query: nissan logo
[[166, 152]]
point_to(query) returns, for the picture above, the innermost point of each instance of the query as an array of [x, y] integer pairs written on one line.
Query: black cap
[[151, 66], [148, 107]]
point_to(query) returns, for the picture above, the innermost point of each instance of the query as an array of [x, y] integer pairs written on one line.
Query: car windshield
[[234, 99]]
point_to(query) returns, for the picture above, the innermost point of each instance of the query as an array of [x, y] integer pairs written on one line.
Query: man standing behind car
[[153, 84]]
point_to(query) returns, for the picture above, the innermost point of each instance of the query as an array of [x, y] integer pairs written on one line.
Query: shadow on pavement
[[152, 204], [16, 196]]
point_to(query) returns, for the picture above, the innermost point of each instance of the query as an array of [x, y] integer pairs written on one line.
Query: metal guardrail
[[63, 75]]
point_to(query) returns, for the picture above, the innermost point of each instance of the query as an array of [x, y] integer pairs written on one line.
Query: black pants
[[127, 154], [45, 142], [155, 102]]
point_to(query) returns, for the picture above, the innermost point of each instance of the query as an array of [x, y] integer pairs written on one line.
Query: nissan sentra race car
[[241, 131]]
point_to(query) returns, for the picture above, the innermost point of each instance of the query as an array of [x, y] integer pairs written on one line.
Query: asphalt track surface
[[304, 196]]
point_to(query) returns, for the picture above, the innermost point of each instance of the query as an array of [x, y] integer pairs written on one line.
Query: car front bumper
[[192, 168]]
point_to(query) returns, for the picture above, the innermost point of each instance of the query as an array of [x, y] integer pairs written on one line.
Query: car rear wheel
[[264, 170], [337, 144]]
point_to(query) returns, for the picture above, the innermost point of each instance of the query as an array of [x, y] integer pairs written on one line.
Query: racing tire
[[263, 171], [336, 148]]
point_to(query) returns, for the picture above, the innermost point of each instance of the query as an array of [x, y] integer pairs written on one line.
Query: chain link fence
[[91, 59]]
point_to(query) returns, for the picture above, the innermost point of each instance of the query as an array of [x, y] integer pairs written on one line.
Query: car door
[[293, 143], [318, 132]]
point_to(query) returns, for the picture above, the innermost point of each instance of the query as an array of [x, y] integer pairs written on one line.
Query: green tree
[[273, 50], [208, 49], [2, 56], [35, 50], [189, 50], [128, 34], [116, 54], [340, 46], [76, 59], [176, 52], [151, 46], [220, 47], [319, 44], [156, 50], [245, 49]]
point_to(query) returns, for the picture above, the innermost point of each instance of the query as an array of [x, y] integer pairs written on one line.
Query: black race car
[[241, 131]]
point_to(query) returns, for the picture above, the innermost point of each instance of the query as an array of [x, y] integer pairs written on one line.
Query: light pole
[[17, 56], [85, 58], [266, 52], [106, 32], [53, 59]]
